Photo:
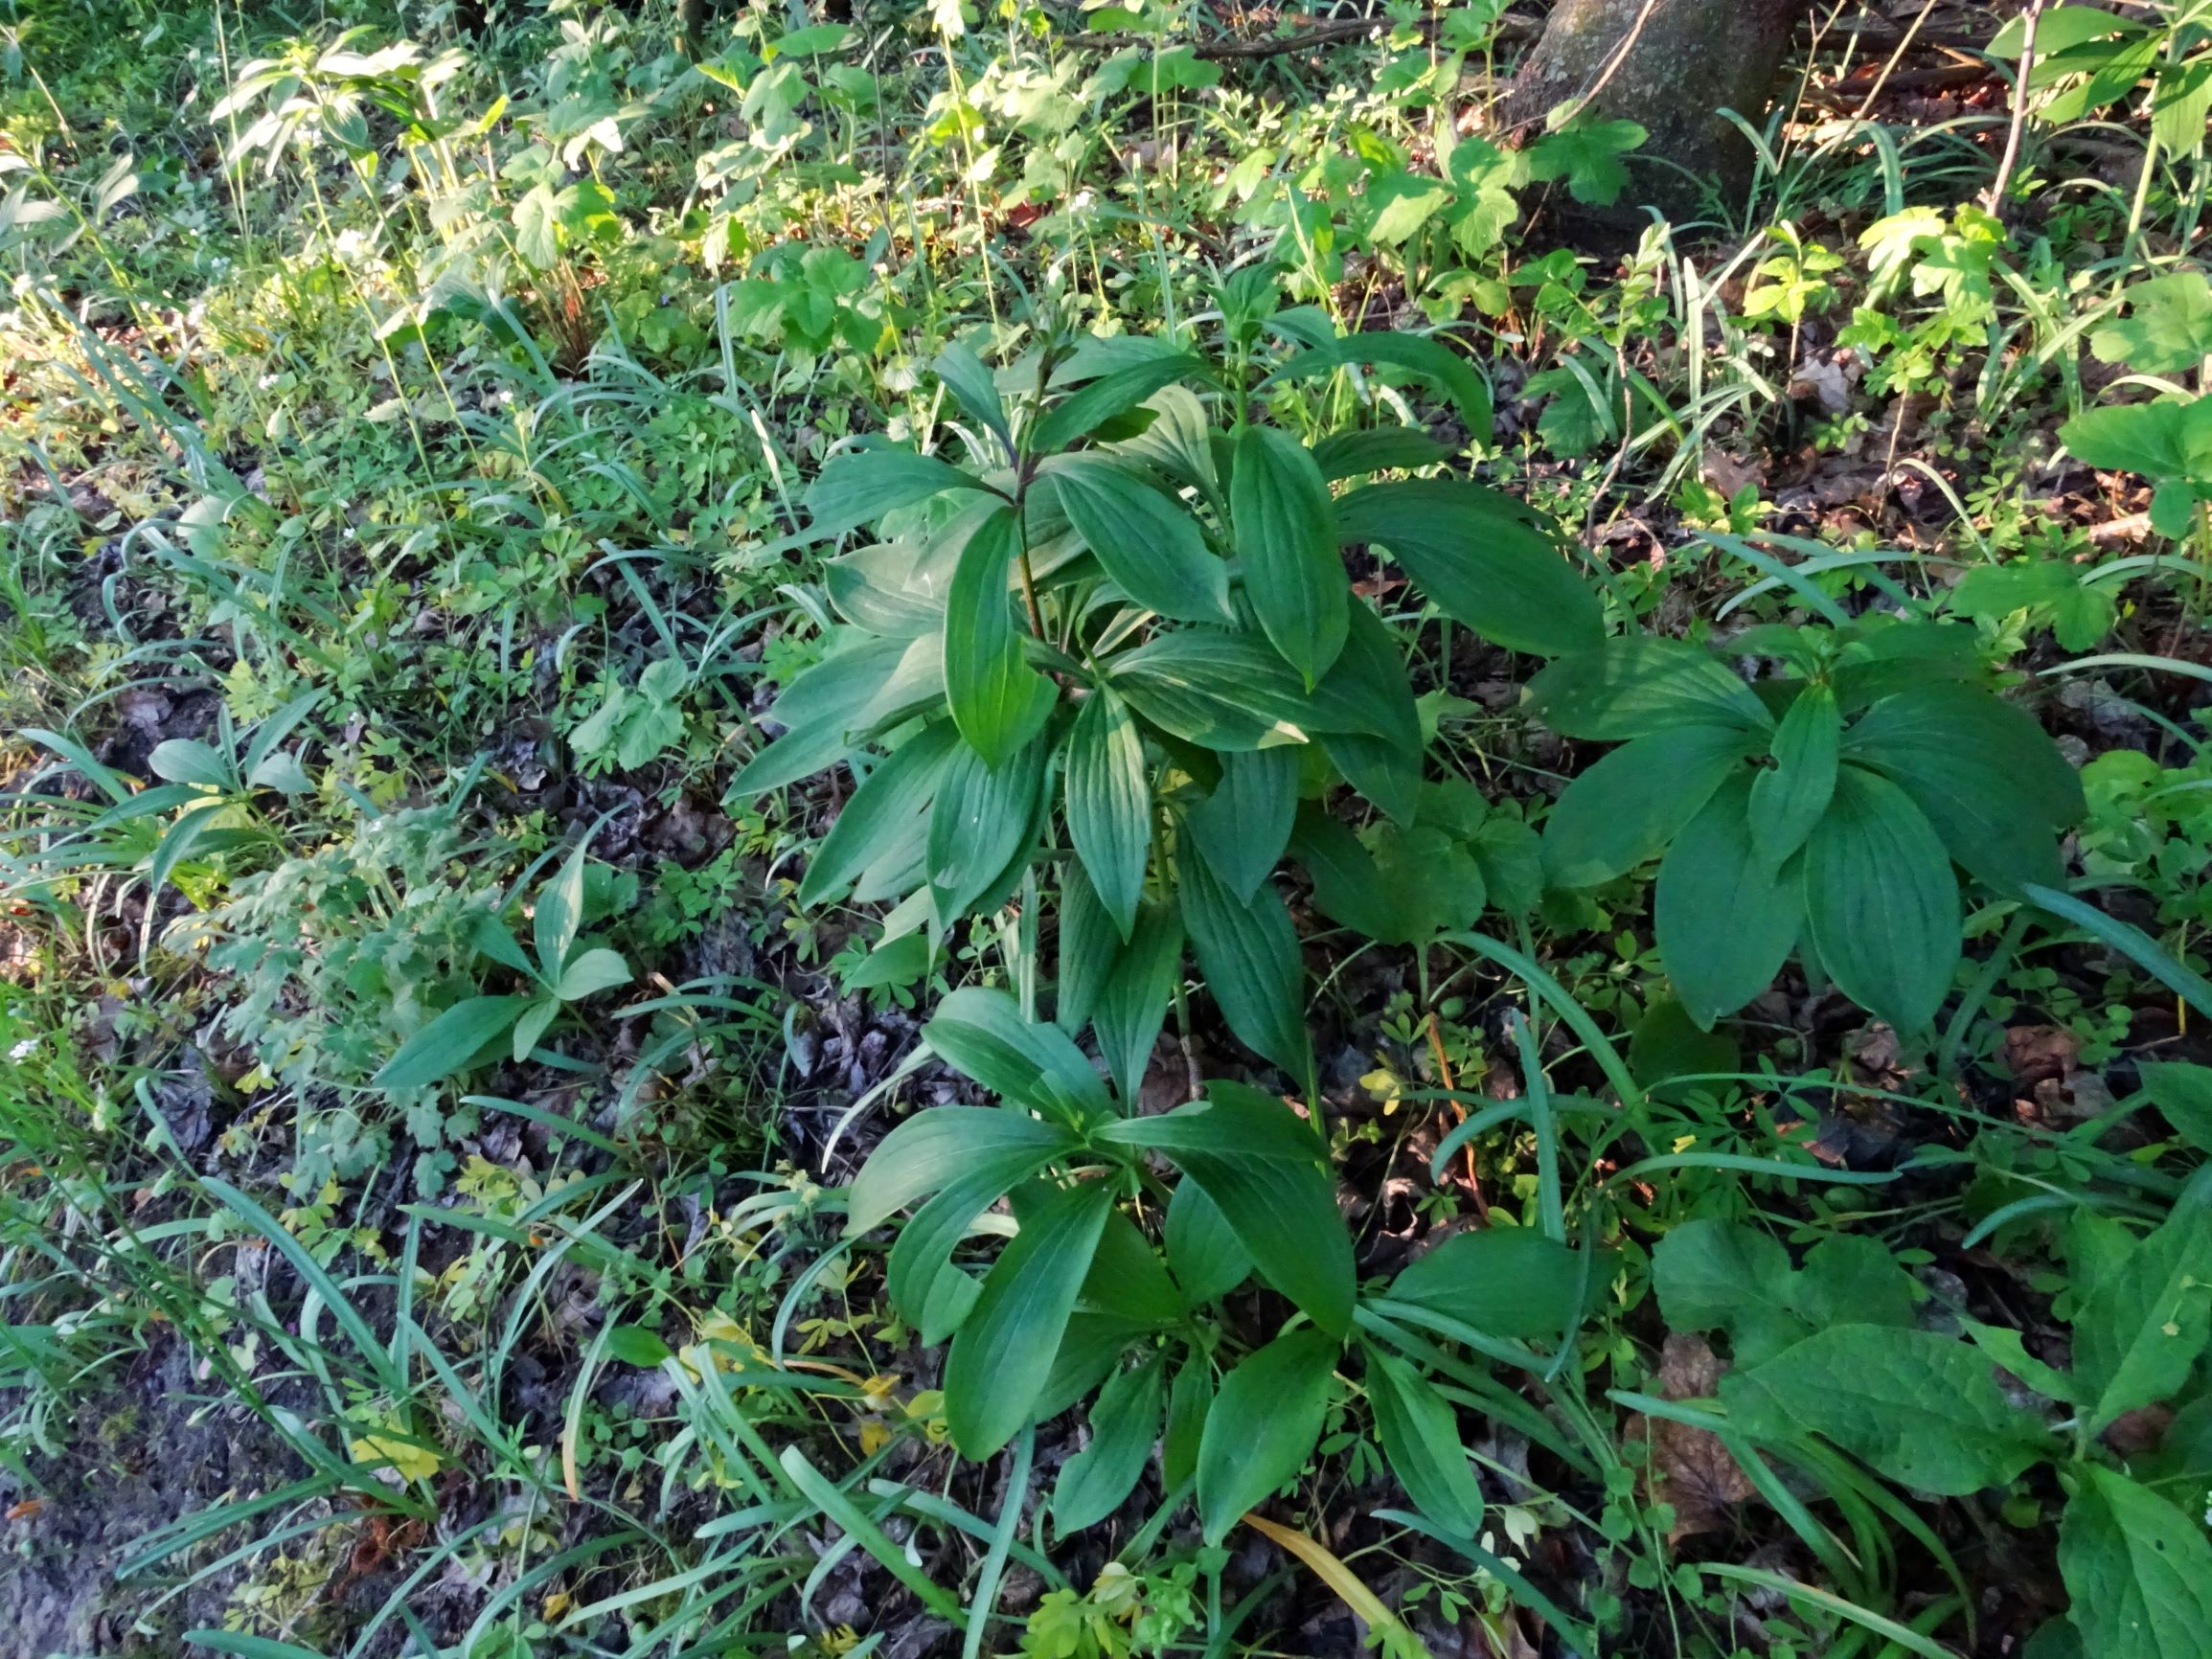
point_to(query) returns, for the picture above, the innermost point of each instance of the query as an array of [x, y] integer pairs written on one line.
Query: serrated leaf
[[2169, 330], [1716, 1275]]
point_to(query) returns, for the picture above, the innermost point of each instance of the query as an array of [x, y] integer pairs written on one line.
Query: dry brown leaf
[[1693, 1470]]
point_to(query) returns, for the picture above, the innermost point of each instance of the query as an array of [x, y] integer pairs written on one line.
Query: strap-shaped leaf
[[860, 486], [1089, 946], [1985, 773], [1373, 449], [978, 822], [1285, 538], [1242, 826], [998, 701], [1475, 554], [1229, 691], [981, 1032], [1420, 1435], [1208, 1259], [1124, 1422], [1133, 1004], [1639, 683], [1386, 769], [1630, 806], [1003, 1357], [971, 383], [1109, 804], [932, 1148], [1506, 1280], [1148, 543], [888, 803], [1725, 918], [1262, 1169], [451, 1042], [1248, 956], [1789, 797], [1880, 902], [1263, 1426], [1086, 410], [1414, 352]]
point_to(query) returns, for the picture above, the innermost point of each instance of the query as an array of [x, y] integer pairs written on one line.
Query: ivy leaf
[[1402, 203], [2169, 330], [1588, 155]]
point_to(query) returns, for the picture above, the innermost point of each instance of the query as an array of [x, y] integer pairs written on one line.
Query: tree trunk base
[[1671, 66]]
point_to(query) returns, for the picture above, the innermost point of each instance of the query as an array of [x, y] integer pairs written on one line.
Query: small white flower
[[23, 1050]]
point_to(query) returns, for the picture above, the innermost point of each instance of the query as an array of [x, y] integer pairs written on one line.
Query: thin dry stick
[[1444, 1071], [1995, 201], [1612, 64]]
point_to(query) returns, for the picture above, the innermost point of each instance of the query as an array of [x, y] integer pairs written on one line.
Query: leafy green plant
[[1830, 1353], [1082, 1287], [1819, 814], [633, 724], [564, 969], [2168, 441], [1142, 625]]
